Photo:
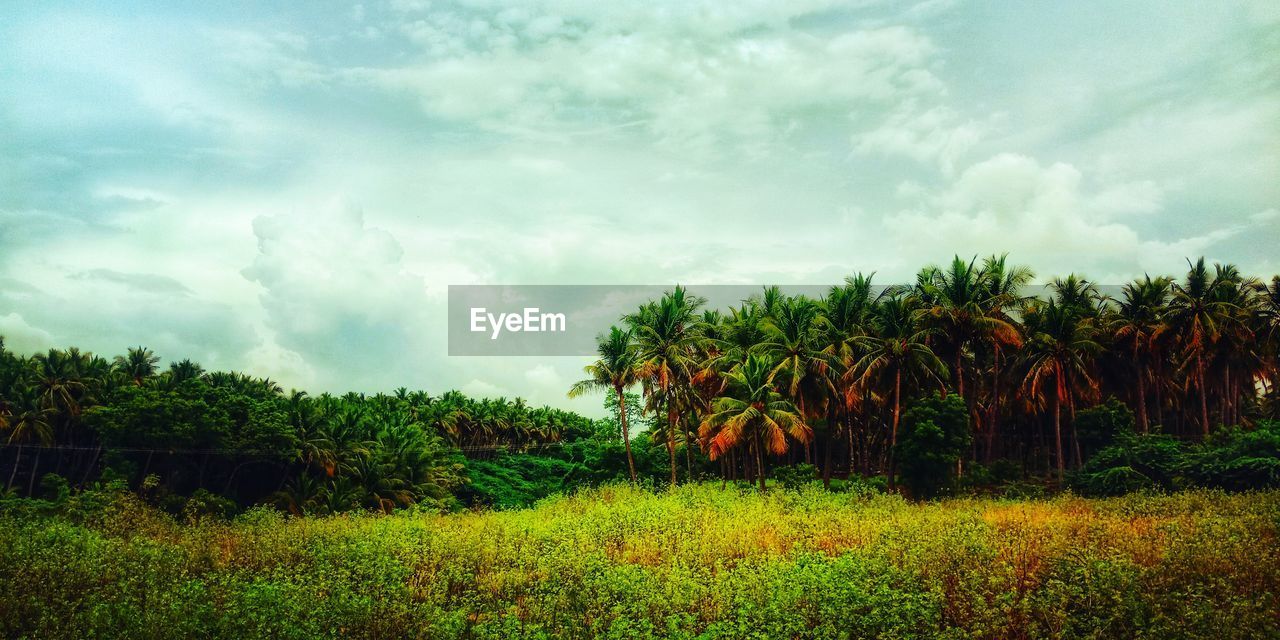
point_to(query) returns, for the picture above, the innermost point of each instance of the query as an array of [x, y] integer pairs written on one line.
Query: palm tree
[[1137, 324], [1002, 290], [1060, 343], [1268, 320], [29, 423], [184, 370], [898, 351], [752, 411], [614, 370], [792, 343], [139, 364], [1194, 314], [666, 335], [961, 305], [845, 312]]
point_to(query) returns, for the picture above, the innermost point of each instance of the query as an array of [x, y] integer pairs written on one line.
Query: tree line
[[231, 439], [826, 380]]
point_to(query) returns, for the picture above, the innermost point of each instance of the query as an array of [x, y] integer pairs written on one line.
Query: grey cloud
[[144, 282]]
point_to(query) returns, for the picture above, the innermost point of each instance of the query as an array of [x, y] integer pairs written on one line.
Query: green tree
[[898, 352], [752, 412], [615, 370], [935, 435], [666, 334], [1057, 355]]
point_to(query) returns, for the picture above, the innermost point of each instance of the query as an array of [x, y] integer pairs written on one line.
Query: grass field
[[698, 562]]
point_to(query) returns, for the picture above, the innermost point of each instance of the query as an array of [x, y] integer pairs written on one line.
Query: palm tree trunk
[[1158, 380], [830, 444], [1228, 417], [994, 420], [1142, 401], [626, 431], [958, 374], [1057, 433], [92, 463], [1204, 396], [1075, 439], [760, 463], [893, 432], [671, 444], [688, 456], [35, 468], [14, 472]]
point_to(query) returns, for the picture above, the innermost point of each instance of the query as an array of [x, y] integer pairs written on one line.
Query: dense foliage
[[1034, 386], [697, 562], [825, 381], [181, 432]]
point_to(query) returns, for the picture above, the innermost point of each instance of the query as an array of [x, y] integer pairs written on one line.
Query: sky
[[289, 191]]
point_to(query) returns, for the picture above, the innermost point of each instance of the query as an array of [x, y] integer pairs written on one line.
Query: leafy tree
[[935, 434]]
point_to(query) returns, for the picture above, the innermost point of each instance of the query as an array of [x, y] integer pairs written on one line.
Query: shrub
[[933, 435]]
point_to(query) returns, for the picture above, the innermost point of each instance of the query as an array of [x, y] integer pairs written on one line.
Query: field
[[617, 562]]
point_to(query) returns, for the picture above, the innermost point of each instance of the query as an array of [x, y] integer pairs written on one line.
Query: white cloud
[[1046, 215], [20, 337]]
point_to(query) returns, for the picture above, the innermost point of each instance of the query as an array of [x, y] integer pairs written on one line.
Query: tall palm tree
[[1003, 286], [1235, 356], [1136, 325], [1268, 320], [898, 351], [792, 343], [666, 334], [961, 305], [29, 423], [752, 411], [614, 370], [1060, 343], [845, 313], [1195, 313]]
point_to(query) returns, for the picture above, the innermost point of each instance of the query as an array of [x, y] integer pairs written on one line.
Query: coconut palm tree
[[138, 364], [28, 423], [791, 342], [1059, 348], [1194, 314], [667, 334], [962, 306], [614, 370], [753, 412], [845, 313], [1136, 326], [1003, 286], [898, 351]]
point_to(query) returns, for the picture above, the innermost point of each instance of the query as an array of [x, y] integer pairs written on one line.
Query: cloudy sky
[[289, 191]]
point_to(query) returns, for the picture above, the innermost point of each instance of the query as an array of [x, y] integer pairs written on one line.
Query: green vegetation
[[1040, 382], [146, 502], [959, 382], [619, 562]]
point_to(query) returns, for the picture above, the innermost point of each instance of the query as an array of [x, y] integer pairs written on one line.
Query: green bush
[[934, 434]]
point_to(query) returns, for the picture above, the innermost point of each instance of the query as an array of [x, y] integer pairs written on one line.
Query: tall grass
[[697, 562]]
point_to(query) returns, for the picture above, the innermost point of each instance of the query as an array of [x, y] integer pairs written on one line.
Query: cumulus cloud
[[336, 294], [1052, 216], [20, 337]]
